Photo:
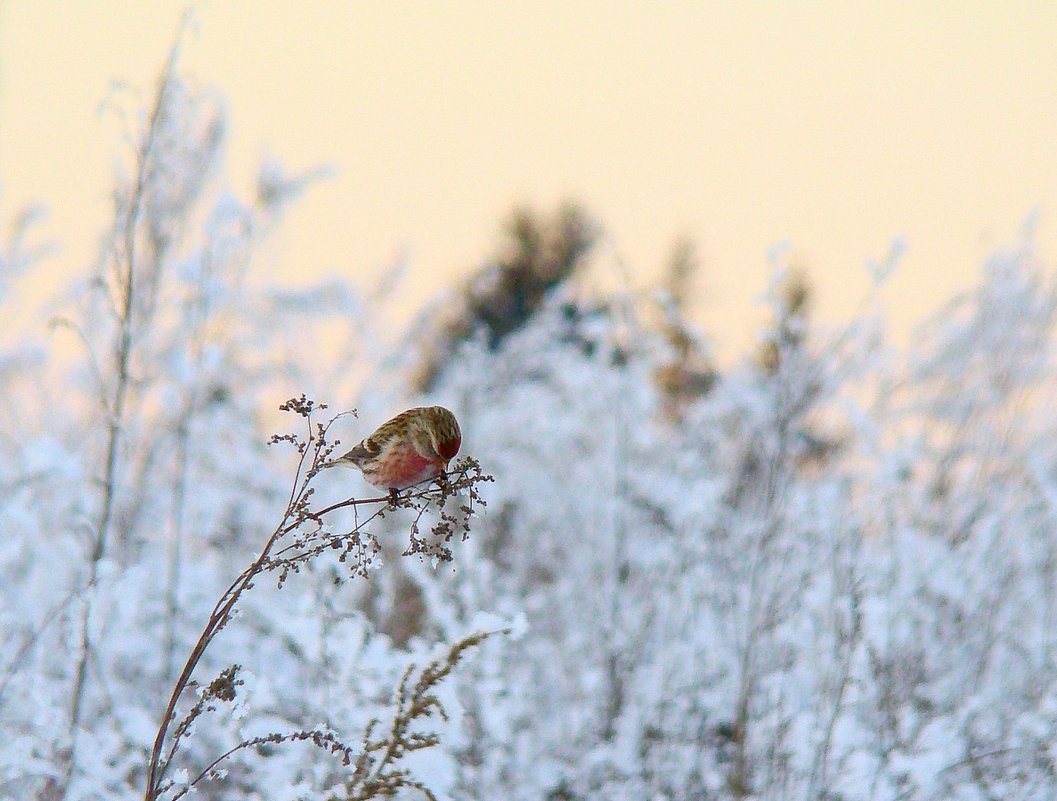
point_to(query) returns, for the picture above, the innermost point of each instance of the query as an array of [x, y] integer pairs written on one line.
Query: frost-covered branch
[[126, 270]]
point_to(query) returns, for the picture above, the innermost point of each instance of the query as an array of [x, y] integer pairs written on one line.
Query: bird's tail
[[353, 458]]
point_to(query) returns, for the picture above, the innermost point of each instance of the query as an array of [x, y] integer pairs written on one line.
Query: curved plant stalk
[[314, 450]]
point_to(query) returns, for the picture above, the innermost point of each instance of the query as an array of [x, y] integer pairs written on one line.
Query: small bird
[[414, 446]]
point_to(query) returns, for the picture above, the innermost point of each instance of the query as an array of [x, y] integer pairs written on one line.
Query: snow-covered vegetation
[[826, 571]]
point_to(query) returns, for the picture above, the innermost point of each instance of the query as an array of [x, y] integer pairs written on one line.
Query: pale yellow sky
[[835, 127]]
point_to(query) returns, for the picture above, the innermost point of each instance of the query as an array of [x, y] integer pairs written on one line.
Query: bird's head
[[444, 434]]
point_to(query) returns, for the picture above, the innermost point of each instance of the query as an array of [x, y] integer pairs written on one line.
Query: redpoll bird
[[414, 446]]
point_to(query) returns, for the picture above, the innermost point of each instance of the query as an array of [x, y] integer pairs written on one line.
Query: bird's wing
[[375, 443], [367, 449]]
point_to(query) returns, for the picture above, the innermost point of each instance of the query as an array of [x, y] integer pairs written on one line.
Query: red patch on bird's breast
[[401, 467]]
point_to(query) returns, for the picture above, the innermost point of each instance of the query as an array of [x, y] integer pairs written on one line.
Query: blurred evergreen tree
[[540, 253]]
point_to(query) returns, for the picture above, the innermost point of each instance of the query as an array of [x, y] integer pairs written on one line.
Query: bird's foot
[[394, 496]]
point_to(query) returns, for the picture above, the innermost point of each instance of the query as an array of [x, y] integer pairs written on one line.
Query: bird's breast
[[400, 466]]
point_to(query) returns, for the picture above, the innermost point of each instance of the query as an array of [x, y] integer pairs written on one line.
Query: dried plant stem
[[314, 452], [116, 407], [217, 619]]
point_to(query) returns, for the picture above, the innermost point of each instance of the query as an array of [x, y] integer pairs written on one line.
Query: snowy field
[[827, 570]]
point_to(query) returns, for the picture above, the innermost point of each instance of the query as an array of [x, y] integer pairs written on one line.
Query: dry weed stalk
[[301, 536]]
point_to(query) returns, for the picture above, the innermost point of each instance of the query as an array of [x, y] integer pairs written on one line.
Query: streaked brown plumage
[[414, 446]]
